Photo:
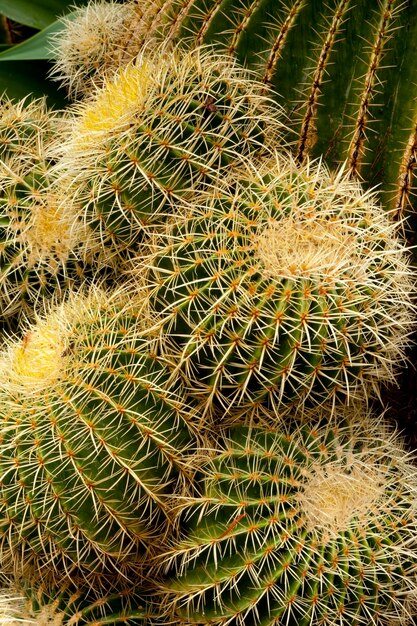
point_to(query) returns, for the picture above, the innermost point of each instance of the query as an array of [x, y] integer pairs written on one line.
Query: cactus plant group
[[193, 439], [312, 527]]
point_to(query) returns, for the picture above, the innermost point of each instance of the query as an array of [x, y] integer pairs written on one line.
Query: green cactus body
[[43, 248], [93, 443], [344, 71], [168, 124], [315, 527], [292, 295], [79, 605]]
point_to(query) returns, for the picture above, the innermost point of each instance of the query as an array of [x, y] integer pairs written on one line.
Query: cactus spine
[[94, 43], [166, 125], [315, 527], [94, 443], [43, 247], [297, 291], [79, 604]]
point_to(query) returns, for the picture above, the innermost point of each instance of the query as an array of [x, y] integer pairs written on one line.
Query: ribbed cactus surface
[[79, 605], [294, 289], [43, 248], [94, 441], [166, 125], [344, 71], [315, 527]]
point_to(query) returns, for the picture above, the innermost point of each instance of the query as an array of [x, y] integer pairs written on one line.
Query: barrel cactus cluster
[[197, 326]]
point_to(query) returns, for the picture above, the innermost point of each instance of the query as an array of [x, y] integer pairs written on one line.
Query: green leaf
[[20, 79], [37, 47], [37, 13]]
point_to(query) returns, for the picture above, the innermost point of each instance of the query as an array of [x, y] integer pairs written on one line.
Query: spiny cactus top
[[293, 289], [93, 442], [94, 42], [166, 125], [344, 71], [43, 247], [313, 528]]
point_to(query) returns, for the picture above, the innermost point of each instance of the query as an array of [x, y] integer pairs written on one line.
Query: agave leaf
[[36, 47], [19, 79], [36, 13]]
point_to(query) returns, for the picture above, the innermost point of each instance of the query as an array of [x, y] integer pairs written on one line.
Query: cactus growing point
[[293, 289], [308, 528]]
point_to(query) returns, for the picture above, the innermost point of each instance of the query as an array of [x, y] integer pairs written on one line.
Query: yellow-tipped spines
[[95, 441], [171, 122]]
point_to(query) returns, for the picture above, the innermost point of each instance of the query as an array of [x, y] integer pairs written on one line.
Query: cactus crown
[[289, 292], [94, 42], [260, 549]]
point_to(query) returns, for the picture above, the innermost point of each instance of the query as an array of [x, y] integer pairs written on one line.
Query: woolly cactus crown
[[313, 527], [166, 125], [292, 288]]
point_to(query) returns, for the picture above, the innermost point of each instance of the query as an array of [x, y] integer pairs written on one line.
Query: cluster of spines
[[94, 443], [313, 527], [95, 42], [295, 292], [78, 604]]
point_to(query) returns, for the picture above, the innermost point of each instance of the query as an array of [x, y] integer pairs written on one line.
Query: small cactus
[[94, 442], [94, 43], [292, 289], [309, 528], [166, 125], [44, 249]]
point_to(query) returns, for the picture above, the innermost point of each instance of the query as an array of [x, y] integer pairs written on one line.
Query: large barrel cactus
[[293, 289], [308, 528], [344, 71], [165, 125], [93, 444]]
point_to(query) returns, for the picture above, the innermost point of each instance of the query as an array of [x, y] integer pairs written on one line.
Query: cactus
[[94, 442], [293, 289], [344, 71], [94, 42], [43, 248], [169, 123], [308, 528], [79, 604]]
